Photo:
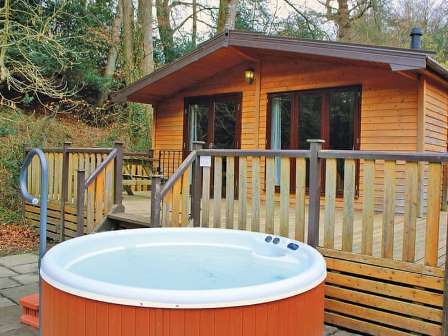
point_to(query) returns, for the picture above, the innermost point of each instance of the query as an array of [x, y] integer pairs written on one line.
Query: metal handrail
[[43, 208], [102, 165]]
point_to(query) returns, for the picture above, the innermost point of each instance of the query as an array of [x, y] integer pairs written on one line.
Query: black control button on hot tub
[[268, 239], [293, 246], [276, 240]]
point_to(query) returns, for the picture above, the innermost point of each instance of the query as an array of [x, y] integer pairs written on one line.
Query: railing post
[[197, 186], [64, 188], [156, 186], [314, 191], [80, 191], [118, 168]]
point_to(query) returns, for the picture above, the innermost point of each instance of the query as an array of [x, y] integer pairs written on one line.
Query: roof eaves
[[437, 68], [202, 50], [396, 58]]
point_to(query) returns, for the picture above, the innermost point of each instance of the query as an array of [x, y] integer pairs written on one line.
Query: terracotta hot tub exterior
[[74, 304]]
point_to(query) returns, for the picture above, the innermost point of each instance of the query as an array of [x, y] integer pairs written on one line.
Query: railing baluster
[[242, 194], [389, 209], [284, 196], [90, 208], [368, 207], [80, 178], [176, 203], [349, 195], [230, 191], [330, 202], [217, 192], [64, 187], [255, 224], [99, 198], [315, 188], [205, 196], [433, 214], [410, 212], [300, 199], [270, 188], [185, 197]]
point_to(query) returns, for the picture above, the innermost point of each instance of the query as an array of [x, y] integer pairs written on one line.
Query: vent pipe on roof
[[416, 38]]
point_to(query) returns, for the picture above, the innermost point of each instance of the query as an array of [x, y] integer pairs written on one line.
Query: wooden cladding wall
[[389, 104], [436, 117], [388, 107]]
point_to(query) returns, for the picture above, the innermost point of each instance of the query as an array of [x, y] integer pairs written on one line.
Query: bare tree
[[344, 14]]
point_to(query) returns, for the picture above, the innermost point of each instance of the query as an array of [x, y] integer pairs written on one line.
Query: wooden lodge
[[354, 97], [233, 134]]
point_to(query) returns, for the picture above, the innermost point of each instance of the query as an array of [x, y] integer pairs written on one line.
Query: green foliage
[[138, 126]]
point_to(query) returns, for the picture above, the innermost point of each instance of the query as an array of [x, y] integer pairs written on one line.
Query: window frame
[[210, 100], [325, 126]]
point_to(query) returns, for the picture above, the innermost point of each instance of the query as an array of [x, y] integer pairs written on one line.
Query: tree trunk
[[4, 41], [194, 32], [112, 56], [165, 30], [128, 40], [343, 21], [227, 15], [147, 63]]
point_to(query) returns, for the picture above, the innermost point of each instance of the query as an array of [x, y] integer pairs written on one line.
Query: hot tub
[[182, 281]]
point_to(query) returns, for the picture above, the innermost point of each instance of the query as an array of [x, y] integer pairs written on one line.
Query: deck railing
[[380, 241], [100, 192], [391, 184], [64, 166]]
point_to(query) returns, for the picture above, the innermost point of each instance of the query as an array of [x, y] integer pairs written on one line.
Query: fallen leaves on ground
[[17, 238]]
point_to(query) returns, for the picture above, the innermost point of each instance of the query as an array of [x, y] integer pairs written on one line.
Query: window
[[329, 114]]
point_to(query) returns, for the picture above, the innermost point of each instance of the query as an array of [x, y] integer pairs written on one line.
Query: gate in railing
[[386, 263], [83, 188]]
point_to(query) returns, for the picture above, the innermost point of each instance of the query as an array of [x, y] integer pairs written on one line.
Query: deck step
[[30, 310], [130, 221]]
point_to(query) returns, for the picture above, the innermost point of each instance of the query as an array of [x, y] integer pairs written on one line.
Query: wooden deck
[[137, 210]]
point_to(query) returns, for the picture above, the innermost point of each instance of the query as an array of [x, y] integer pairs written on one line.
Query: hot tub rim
[[289, 283]]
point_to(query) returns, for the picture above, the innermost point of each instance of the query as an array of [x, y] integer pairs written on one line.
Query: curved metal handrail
[[43, 208], [101, 167]]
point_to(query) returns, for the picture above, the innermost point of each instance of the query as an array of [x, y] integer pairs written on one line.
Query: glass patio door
[[330, 114], [214, 120]]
